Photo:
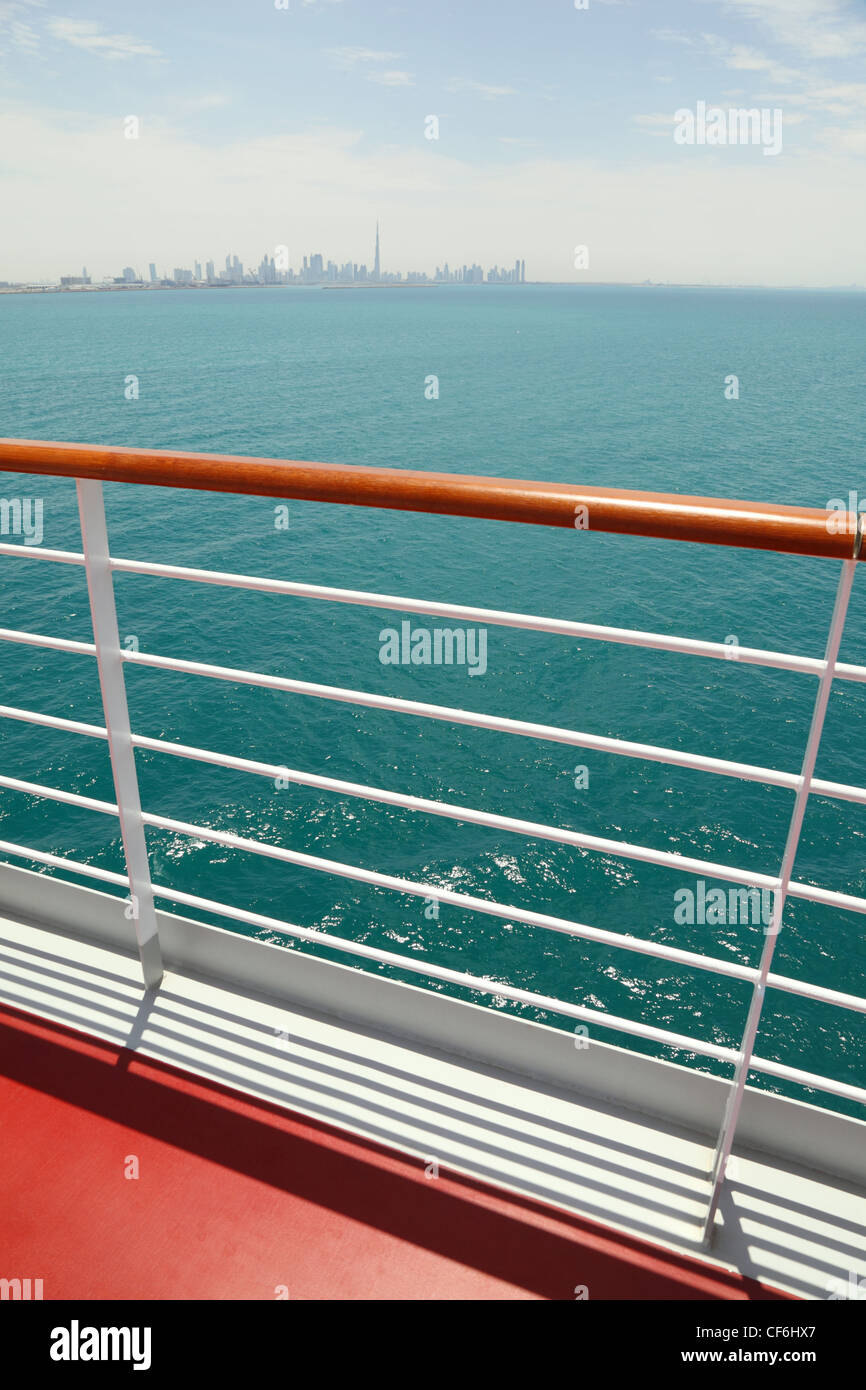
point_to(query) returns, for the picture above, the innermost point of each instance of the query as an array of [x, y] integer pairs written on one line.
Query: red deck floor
[[236, 1198]]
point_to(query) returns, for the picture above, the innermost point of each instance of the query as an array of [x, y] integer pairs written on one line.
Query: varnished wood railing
[[712, 520]]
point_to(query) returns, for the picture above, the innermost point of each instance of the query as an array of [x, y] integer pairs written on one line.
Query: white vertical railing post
[[106, 637], [759, 988]]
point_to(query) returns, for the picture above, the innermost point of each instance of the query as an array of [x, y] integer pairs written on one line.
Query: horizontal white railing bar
[[455, 977], [52, 721], [596, 1016], [39, 639], [633, 637], [370, 876], [74, 866], [497, 723], [808, 1078], [596, 742], [818, 993], [311, 934], [838, 791], [465, 901], [827, 897], [619, 848], [470, 903], [534, 829], [565, 627], [54, 794], [41, 552]]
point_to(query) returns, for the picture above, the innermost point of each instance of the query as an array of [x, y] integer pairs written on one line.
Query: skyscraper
[[376, 266], [152, 269]]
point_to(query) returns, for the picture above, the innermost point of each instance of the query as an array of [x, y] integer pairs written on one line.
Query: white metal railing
[[99, 566]]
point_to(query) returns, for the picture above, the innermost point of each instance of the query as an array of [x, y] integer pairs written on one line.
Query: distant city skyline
[[274, 269]]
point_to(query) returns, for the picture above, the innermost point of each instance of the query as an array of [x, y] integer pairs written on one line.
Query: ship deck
[[280, 1148], [237, 1199]]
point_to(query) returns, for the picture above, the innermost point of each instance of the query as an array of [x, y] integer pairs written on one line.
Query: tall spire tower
[[376, 267]]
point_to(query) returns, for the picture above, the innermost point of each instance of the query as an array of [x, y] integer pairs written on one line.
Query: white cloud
[[392, 77], [816, 28], [744, 59], [207, 101], [87, 34], [672, 36], [836, 98], [14, 32], [485, 89], [348, 57], [738, 56], [351, 58], [661, 118], [798, 88], [844, 139]]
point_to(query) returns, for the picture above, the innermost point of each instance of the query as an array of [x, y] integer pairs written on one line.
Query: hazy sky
[[262, 126]]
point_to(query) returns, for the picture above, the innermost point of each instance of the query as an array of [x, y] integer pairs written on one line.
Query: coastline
[[429, 285]]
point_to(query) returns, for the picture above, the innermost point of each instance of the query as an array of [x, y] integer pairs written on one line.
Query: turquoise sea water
[[595, 385]]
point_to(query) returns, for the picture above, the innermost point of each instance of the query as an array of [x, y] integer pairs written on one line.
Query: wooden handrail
[[669, 516]]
